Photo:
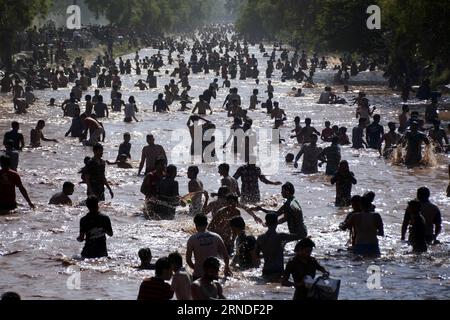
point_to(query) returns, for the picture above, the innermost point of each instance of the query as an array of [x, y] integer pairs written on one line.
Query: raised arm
[[289, 237]]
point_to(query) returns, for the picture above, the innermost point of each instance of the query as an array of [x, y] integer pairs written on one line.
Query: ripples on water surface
[[36, 247]]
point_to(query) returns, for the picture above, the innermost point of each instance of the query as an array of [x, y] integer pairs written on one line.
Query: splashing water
[[429, 156], [428, 160], [397, 158]]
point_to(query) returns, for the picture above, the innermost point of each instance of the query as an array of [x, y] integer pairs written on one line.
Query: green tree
[[342, 26], [16, 16], [154, 16], [417, 37], [118, 12]]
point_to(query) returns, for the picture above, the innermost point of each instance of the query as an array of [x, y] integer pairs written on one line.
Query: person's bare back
[[195, 185], [151, 153], [203, 290]]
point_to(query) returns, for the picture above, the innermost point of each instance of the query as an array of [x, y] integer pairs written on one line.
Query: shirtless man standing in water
[[94, 127], [220, 222], [150, 153], [9, 180], [390, 139], [37, 135], [413, 141], [195, 185], [207, 287], [311, 153]]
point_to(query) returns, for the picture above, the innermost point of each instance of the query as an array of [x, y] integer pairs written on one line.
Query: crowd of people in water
[[217, 50]]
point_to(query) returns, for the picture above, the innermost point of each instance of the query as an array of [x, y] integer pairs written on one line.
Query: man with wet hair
[[15, 136], [62, 198], [431, 213], [12, 153], [271, 245], [204, 244], [94, 127], [390, 139], [367, 226], [150, 185], [291, 211], [311, 154], [208, 287], [145, 255], [413, 140], [160, 105], [9, 180], [307, 132], [332, 156], [150, 154], [250, 174], [195, 187], [181, 280], [156, 288], [202, 105], [36, 135], [168, 195], [358, 135], [374, 133], [244, 245], [93, 230], [227, 180], [95, 174], [417, 228], [220, 221], [214, 206], [300, 266]]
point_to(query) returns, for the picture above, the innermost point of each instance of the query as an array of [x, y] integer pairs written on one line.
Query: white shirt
[[204, 245]]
